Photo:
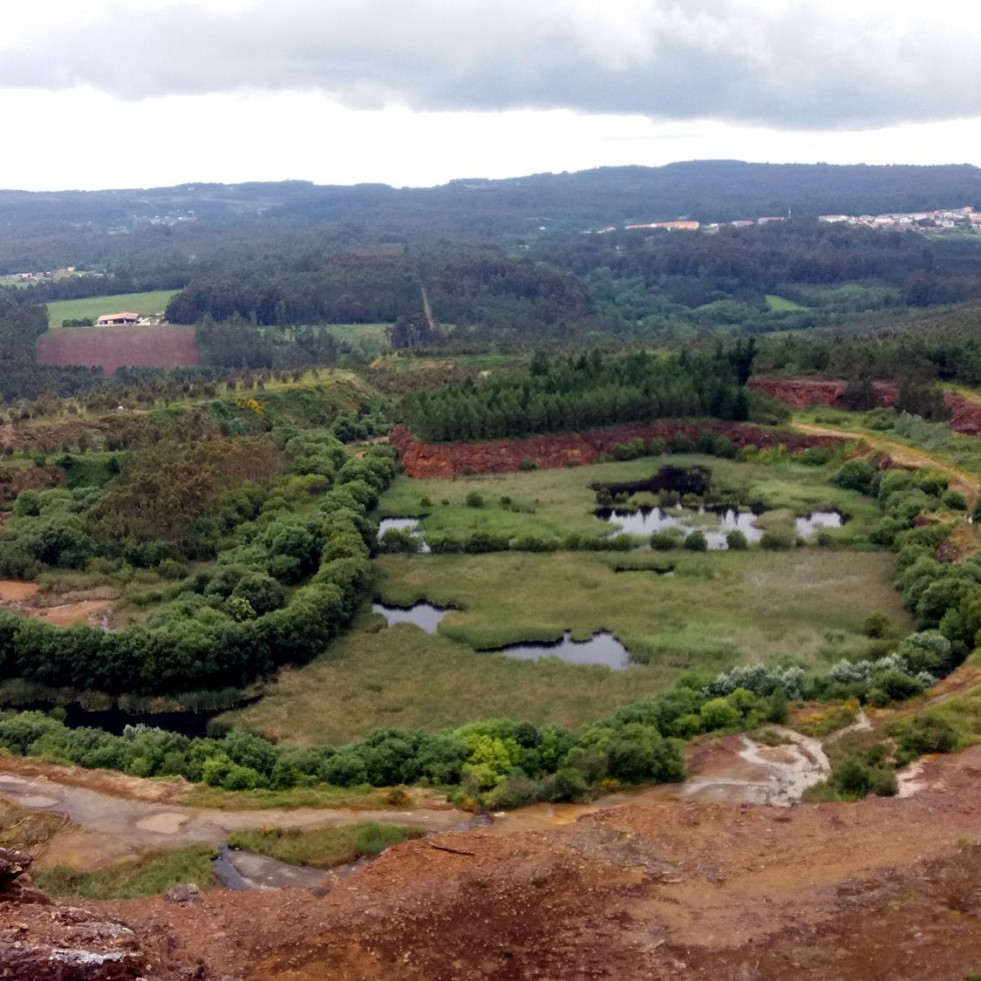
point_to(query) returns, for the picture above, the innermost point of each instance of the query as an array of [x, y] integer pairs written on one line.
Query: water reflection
[[411, 525], [423, 615], [601, 648], [715, 523]]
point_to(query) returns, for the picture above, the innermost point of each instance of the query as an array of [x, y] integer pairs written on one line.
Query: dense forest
[[589, 391]]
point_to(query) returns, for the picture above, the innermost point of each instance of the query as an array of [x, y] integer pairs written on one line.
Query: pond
[[411, 525], [601, 648], [423, 615], [115, 719], [715, 523]]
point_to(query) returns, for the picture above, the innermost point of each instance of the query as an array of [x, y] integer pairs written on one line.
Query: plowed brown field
[[115, 347]]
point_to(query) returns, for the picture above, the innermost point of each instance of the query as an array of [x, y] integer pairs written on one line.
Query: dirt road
[[967, 483], [110, 826]]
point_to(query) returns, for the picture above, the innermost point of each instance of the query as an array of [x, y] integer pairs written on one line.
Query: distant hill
[[48, 230]]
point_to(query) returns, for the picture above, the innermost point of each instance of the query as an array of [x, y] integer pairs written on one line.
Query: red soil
[[805, 393], [114, 347], [551, 452]]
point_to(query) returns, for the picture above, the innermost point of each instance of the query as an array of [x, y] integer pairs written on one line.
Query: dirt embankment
[[81, 606], [807, 393], [677, 888], [571, 449]]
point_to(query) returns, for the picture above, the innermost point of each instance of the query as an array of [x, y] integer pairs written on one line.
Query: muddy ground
[[664, 884], [79, 606], [670, 889]]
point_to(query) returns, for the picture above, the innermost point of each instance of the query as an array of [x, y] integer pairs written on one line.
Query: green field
[[145, 304], [778, 304], [718, 610], [554, 503], [368, 340]]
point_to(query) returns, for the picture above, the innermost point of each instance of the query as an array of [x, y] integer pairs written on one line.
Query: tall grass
[[322, 848], [718, 610], [148, 875]]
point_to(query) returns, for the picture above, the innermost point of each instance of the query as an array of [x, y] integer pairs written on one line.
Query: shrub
[[663, 541], [856, 475], [736, 540], [925, 734], [815, 456], [527, 464], [475, 499], [876, 624], [778, 539], [695, 541], [955, 501]]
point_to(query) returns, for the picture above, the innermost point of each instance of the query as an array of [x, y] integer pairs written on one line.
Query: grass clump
[[149, 875], [323, 848]]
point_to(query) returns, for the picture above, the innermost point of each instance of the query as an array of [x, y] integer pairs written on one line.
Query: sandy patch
[[38, 800], [84, 611], [14, 591], [167, 823]]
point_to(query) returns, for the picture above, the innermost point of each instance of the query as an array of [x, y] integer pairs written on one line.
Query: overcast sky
[[140, 93]]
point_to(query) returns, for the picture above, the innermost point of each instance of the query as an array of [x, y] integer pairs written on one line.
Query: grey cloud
[[722, 59]]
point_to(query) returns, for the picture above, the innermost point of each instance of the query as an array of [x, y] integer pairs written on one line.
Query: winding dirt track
[[967, 483], [106, 826]]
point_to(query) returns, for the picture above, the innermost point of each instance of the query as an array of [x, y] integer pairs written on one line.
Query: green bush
[[475, 499], [778, 539], [736, 540], [856, 475], [955, 501], [695, 541]]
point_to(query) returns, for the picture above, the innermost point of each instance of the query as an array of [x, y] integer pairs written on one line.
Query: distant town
[[943, 219]]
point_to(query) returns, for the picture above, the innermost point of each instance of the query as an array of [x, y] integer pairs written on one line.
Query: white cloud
[[89, 140], [825, 65]]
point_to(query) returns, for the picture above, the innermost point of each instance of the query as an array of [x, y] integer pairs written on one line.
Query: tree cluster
[[584, 392]]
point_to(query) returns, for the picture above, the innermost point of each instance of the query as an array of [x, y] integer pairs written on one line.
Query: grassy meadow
[[719, 609], [554, 503], [145, 304]]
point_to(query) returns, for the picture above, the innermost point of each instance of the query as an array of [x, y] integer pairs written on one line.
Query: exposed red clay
[[572, 449]]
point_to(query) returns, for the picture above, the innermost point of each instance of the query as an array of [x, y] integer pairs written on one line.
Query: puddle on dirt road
[[241, 870]]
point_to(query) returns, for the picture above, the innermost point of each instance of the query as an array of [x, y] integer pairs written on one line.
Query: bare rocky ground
[[661, 885]]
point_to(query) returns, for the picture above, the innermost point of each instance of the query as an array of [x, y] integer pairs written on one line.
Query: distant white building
[[117, 318]]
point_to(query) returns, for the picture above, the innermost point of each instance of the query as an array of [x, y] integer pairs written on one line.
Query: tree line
[[222, 628], [587, 391]]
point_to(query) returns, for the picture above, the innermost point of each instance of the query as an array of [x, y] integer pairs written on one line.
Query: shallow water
[[424, 615], [601, 648], [646, 520], [410, 525]]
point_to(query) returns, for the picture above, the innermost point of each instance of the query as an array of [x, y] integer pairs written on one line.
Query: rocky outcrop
[[965, 415], [806, 393], [572, 449], [45, 942]]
